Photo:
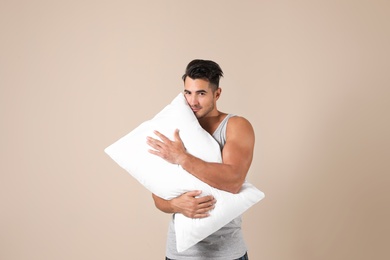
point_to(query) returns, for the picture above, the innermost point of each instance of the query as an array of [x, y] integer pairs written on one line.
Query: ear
[[218, 93]]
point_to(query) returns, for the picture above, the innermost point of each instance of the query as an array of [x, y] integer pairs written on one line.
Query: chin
[[198, 116]]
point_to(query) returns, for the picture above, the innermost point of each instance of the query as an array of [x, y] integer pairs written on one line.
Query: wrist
[[172, 204], [182, 159]]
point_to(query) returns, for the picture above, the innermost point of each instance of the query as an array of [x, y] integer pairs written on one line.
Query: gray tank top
[[226, 243]]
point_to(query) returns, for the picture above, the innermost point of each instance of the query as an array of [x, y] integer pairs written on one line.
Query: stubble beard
[[211, 108]]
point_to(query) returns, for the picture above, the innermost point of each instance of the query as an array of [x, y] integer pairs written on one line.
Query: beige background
[[311, 76]]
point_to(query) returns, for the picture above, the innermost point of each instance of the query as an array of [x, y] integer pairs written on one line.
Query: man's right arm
[[187, 204]]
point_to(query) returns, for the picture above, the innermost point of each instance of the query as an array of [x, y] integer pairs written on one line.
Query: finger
[[207, 205], [203, 215], [205, 212], [154, 142], [162, 137], [193, 193], [154, 152], [205, 199]]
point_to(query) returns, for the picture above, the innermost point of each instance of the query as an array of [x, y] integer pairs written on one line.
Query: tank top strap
[[220, 133]]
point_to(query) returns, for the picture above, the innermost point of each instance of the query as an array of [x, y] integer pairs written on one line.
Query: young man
[[236, 138]]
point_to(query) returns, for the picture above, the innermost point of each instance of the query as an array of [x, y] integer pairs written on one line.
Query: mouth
[[195, 109]]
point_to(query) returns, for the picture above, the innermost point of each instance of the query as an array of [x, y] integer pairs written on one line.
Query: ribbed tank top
[[226, 243], [220, 133]]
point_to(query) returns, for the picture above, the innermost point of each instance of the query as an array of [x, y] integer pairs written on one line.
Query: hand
[[192, 207], [171, 151]]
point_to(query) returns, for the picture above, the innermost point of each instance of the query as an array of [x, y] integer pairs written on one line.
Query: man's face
[[200, 97]]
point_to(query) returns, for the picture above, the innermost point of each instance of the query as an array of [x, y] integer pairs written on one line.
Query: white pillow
[[168, 180]]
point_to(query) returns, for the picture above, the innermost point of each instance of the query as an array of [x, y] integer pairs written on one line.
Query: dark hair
[[204, 69]]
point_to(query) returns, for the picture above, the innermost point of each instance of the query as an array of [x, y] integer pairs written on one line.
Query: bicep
[[238, 150]]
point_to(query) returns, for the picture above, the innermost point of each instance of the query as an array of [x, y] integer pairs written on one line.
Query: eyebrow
[[198, 91]]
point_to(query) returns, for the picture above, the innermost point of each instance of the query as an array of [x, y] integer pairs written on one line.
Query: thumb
[[176, 135]]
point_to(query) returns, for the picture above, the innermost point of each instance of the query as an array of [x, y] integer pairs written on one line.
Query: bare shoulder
[[239, 123], [239, 127]]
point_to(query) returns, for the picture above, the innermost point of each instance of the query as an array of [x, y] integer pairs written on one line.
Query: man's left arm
[[237, 156]]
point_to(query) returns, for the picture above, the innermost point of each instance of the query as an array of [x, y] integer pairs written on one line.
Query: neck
[[210, 123]]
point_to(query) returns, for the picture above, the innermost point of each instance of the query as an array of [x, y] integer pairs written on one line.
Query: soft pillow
[[168, 180]]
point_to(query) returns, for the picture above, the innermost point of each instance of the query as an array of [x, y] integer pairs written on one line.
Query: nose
[[192, 100]]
